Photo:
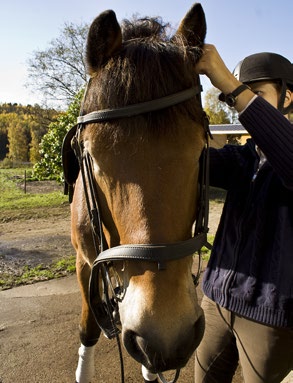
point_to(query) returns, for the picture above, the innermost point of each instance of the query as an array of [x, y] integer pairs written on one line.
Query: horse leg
[[86, 364], [88, 329], [148, 376]]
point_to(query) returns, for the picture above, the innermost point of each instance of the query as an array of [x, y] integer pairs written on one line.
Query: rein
[[103, 308]]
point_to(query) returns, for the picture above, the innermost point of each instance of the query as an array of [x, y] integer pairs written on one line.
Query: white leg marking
[[86, 364]]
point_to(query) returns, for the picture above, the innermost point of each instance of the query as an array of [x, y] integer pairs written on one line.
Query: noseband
[[104, 304]]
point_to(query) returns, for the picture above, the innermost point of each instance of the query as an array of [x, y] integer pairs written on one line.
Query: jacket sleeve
[[228, 164], [273, 133]]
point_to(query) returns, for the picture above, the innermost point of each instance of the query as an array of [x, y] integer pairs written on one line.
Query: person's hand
[[212, 65]]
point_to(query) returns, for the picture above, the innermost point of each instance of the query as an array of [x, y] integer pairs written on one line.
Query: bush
[[50, 165], [7, 163]]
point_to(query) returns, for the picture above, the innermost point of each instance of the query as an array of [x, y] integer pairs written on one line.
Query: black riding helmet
[[267, 66]]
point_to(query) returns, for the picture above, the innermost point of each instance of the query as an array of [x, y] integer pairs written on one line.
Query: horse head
[[143, 167]]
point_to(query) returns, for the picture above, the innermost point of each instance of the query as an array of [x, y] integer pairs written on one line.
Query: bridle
[[104, 305]]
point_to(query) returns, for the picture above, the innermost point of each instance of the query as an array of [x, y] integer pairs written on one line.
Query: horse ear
[[193, 26], [104, 40]]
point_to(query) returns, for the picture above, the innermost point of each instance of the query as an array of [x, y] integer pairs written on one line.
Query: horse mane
[[151, 64]]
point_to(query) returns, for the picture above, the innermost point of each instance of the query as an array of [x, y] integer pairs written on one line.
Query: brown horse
[[141, 172]]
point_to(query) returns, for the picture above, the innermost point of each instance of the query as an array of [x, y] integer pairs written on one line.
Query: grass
[[15, 204], [39, 273], [13, 197], [205, 252]]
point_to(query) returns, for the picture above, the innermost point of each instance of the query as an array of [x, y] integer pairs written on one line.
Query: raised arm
[[271, 131]]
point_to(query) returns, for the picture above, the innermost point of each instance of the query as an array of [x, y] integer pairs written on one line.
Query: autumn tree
[[215, 109], [21, 131], [220, 113], [18, 138], [58, 72], [34, 146]]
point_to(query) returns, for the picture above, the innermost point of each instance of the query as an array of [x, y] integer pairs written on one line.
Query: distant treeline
[[21, 130]]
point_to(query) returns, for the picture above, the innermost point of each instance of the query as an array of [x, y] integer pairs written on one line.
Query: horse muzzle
[[152, 352]]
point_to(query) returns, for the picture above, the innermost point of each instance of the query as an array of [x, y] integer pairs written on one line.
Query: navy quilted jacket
[[250, 271]]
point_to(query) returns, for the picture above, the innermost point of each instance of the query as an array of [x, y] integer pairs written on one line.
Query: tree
[[50, 164], [220, 113], [21, 130], [3, 145], [59, 72], [215, 109], [34, 146], [4, 123], [18, 137]]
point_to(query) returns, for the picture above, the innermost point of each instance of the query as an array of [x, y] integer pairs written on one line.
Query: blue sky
[[237, 27]]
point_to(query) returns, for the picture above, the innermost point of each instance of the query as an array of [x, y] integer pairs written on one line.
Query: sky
[[237, 28]]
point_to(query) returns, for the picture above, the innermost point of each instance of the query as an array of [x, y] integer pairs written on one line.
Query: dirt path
[[35, 241]]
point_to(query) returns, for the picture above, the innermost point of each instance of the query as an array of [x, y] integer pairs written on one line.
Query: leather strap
[[143, 107], [228, 98], [159, 253], [241, 88]]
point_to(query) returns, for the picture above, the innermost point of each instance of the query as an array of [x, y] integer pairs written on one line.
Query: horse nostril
[[133, 342], [151, 353], [136, 346]]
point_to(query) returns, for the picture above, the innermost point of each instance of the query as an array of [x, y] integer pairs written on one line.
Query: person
[[248, 283]]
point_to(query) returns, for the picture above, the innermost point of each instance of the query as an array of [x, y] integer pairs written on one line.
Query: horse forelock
[[145, 27], [151, 64]]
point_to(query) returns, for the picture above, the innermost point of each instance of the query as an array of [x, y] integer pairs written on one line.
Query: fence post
[[25, 182]]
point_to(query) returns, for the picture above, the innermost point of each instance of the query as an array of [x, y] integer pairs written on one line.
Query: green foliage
[[50, 164], [6, 163]]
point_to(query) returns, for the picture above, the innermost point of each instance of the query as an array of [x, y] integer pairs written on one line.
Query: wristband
[[231, 98]]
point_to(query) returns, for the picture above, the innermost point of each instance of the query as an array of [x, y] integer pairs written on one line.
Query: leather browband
[[143, 107]]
